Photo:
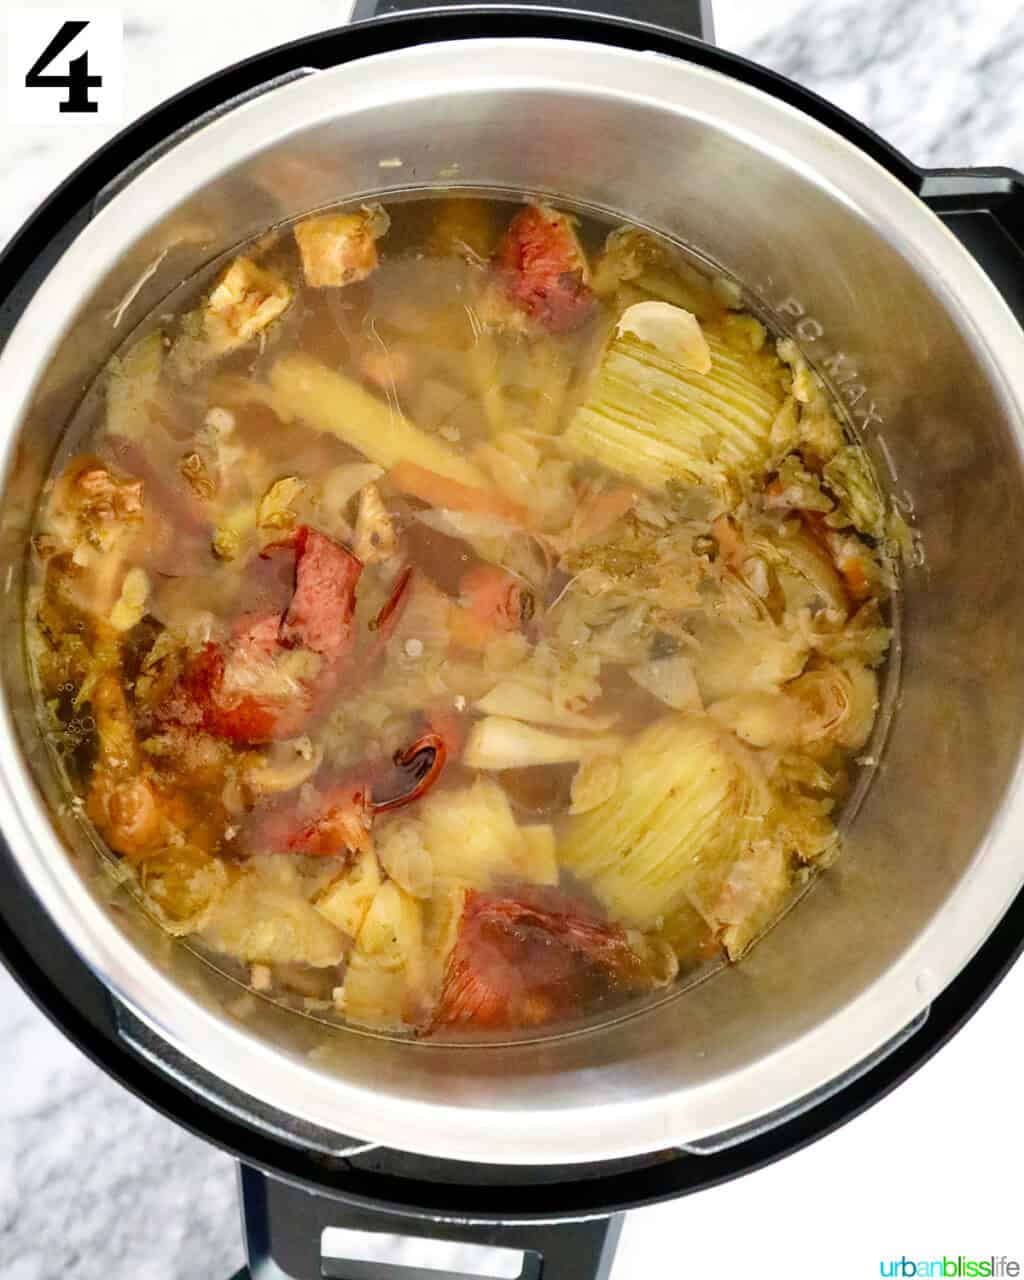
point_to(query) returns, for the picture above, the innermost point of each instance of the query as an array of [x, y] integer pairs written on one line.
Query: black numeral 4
[[77, 81]]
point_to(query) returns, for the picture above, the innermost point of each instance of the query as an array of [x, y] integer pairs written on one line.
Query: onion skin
[[432, 747], [530, 959]]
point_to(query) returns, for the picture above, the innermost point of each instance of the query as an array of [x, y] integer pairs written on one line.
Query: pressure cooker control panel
[[688, 17]]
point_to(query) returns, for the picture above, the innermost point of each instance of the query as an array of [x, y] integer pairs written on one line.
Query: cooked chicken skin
[[339, 249], [245, 302]]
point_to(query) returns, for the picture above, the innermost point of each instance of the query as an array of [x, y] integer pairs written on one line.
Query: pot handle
[[984, 208], [294, 1234], [686, 17]]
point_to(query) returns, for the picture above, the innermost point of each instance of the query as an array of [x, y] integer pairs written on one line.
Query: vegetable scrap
[[463, 618]]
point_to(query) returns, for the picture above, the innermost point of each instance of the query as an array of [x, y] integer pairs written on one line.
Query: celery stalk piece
[[485, 368], [650, 418], [553, 375], [332, 403]]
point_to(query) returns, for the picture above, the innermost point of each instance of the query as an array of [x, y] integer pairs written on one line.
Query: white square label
[[64, 66]]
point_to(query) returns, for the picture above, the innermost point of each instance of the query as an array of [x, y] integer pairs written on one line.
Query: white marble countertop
[[95, 1186]]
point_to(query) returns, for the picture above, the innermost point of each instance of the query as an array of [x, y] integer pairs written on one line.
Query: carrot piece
[[854, 576], [467, 630], [730, 544], [439, 491], [496, 597], [843, 552]]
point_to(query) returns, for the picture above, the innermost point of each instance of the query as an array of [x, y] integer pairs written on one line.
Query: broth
[[461, 617]]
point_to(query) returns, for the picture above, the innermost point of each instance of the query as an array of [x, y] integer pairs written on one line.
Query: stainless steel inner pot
[[928, 360]]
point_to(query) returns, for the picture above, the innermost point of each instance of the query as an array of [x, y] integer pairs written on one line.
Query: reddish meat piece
[[270, 580], [320, 614], [341, 824], [528, 960], [543, 270], [241, 718], [234, 691], [258, 632]]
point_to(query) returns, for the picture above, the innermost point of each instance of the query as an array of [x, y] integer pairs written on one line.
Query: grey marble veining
[[93, 1184], [939, 79]]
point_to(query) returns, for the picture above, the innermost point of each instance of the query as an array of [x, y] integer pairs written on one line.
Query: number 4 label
[[64, 65]]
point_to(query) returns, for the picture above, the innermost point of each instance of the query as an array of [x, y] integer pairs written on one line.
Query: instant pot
[[905, 289]]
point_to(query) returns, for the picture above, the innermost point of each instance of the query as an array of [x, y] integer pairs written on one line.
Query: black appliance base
[[285, 1225]]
